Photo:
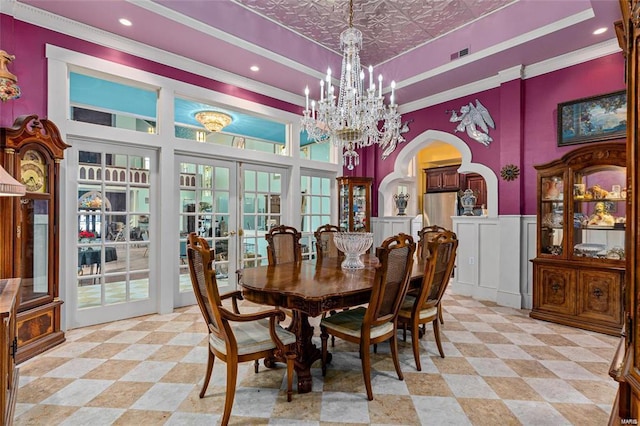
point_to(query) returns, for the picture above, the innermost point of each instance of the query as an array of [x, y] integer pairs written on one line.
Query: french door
[[232, 205], [114, 220]]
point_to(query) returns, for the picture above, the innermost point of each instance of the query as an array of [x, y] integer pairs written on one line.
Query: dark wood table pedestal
[[306, 350]]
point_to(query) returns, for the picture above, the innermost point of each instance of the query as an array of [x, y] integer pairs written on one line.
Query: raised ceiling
[[293, 41]]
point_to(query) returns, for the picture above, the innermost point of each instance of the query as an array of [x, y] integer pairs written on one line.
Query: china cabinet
[[580, 264], [31, 151], [354, 204]]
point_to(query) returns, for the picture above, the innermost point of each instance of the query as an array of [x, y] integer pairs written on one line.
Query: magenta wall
[[524, 112], [27, 42], [542, 96]]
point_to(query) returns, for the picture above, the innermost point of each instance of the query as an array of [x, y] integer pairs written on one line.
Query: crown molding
[[590, 53], [50, 21], [554, 64]]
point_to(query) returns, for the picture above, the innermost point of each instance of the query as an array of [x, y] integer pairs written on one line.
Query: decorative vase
[[401, 201], [468, 200], [353, 245], [552, 191]]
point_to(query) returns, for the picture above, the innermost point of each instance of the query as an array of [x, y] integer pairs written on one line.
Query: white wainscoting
[[388, 226], [529, 233], [493, 258]]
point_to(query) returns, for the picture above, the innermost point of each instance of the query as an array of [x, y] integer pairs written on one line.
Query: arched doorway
[[406, 157]]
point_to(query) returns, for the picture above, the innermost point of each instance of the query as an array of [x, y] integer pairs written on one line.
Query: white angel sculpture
[[390, 146], [472, 116]]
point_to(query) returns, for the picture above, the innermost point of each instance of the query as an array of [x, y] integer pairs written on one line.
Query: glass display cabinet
[[354, 203], [29, 230], [580, 264]]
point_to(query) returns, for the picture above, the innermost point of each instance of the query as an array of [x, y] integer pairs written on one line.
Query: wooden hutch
[[578, 273]]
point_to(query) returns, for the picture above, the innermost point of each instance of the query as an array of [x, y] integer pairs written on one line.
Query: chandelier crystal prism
[[355, 117]]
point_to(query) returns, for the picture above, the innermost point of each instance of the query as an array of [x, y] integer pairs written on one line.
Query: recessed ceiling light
[[125, 22], [255, 68], [599, 31]]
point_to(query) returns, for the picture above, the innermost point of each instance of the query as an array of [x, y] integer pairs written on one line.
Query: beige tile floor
[[501, 368]]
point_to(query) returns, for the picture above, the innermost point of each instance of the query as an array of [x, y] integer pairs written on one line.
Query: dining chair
[[283, 245], [425, 235], [424, 307], [325, 245], [378, 321], [235, 337]]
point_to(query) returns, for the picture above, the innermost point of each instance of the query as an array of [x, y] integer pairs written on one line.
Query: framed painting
[[593, 119]]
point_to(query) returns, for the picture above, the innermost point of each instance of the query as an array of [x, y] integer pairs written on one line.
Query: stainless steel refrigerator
[[438, 207]]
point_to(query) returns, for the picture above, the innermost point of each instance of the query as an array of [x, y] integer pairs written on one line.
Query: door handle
[[230, 233]]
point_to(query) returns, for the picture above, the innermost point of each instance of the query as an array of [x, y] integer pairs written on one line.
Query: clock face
[[33, 171]]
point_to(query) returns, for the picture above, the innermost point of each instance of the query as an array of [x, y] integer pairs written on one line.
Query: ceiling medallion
[[213, 121], [355, 117], [510, 172]]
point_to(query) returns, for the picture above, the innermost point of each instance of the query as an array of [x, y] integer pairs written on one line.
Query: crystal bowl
[[353, 245]]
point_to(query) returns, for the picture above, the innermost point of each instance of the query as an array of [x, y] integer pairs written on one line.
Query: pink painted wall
[[524, 112], [542, 95], [27, 42]]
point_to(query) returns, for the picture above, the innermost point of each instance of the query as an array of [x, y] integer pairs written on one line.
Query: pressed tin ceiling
[[389, 27], [294, 41]]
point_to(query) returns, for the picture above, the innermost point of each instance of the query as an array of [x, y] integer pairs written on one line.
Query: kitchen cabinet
[[442, 179], [476, 183]]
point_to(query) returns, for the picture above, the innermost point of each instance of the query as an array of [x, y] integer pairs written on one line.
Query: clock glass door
[[35, 250], [35, 230]]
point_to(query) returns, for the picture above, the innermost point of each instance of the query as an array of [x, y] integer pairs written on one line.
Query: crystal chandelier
[[213, 121], [360, 117]]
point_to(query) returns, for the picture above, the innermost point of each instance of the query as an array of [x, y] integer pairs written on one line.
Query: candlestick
[[306, 95], [371, 86], [393, 90], [380, 85], [321, 90]]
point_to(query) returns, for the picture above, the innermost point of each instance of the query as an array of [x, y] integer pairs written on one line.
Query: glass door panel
[[261, 195], [205, 194], [113, 216]]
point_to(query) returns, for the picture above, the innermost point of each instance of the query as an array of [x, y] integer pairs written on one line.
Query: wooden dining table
[[309, 289]]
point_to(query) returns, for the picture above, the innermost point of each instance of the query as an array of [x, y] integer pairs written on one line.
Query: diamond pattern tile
[[501, 367]]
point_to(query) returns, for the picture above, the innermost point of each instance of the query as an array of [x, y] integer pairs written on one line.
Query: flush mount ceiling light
[[356, 116], [125, 22], [600, 31], [255, 68], [213, 121]]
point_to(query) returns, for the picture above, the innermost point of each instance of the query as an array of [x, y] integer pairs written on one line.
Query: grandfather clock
[[31, 151]]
